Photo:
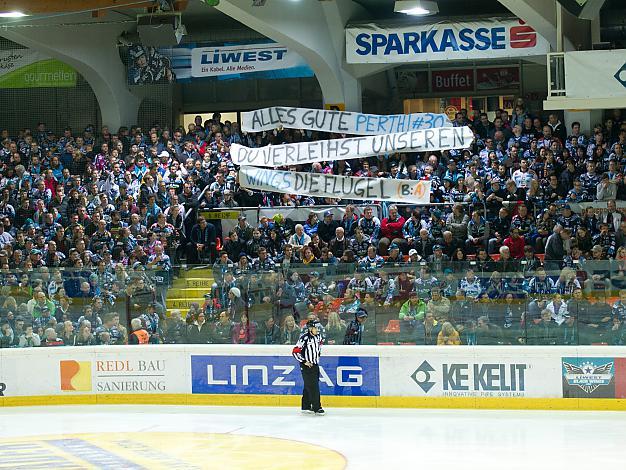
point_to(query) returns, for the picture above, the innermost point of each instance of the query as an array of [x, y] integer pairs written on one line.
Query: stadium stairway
[[189, 287]]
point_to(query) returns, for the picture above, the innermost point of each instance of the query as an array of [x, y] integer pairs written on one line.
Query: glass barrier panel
[[377, 301]]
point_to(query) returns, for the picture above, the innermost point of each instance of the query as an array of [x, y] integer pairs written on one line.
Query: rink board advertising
[[398, 376], [594, 377], [280, 375], [92, 370], [466, 372]]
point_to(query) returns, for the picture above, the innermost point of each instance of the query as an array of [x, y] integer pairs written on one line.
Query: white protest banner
[[341, 187], [442, 138], [340, 122], [228, 60], [482, 39]]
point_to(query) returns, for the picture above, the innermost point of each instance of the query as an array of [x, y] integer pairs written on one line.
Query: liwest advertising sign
[[484, 39], [25, 68], [189, 62], [280, 375], [594, 377], [228, 60]]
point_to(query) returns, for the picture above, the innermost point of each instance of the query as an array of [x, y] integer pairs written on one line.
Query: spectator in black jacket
[[484, 128], [234, 246], [199, 331], [271, 332], [424, 244], [326, 228], [556, 248], [202, 242], [355, 329], [175, 329], [339, 243], [500, 228], [544, 333], [222, 329]]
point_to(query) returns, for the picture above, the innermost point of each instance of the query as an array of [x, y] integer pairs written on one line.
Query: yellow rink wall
[[530, 378], [571, 404]]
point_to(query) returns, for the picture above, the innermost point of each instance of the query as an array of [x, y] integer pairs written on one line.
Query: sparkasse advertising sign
[[484, 39]]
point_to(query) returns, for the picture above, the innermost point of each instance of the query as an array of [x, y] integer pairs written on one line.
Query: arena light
[[12, 14], [416, 7]]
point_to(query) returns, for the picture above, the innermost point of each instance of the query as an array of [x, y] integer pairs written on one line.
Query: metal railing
[[296, 214], [556, 74]]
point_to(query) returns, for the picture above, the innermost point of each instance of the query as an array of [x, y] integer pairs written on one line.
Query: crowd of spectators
[[525, 241]]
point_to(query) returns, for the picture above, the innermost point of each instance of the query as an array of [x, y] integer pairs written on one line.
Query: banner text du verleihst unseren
[[443, 138], [340, 122]]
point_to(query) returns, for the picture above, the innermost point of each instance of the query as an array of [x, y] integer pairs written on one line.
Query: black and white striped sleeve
[[300, 348], [308, 349]]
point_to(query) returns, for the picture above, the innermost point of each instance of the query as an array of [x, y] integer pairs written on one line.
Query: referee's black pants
[[311, 390]]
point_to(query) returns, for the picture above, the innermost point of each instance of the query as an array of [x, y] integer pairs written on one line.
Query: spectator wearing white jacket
[[607, 189], [29, 339], [558, 309]]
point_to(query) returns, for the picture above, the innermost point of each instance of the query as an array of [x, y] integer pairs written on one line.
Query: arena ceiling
[[200, 18]]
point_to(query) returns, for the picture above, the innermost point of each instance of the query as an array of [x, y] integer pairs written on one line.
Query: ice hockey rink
[[189, 437]]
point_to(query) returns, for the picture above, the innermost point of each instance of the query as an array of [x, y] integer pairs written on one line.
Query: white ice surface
[[370, 438]]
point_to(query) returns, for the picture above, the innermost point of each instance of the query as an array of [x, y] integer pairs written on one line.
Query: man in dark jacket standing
[[202, 242], [556, 248], [307, 352], [354, 331], [326, 228]]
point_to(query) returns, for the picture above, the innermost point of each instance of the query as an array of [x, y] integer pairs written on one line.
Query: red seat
[[393, 326], [385, 344]]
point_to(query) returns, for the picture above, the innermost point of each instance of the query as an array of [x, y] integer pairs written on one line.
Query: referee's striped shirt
[[308, 348]]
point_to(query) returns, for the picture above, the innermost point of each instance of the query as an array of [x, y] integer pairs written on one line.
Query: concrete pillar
[[92, 51], [542, 16], [587, 119], [315, 30]]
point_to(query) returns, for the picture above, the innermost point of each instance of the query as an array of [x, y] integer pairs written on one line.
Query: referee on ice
[[307, 353]]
